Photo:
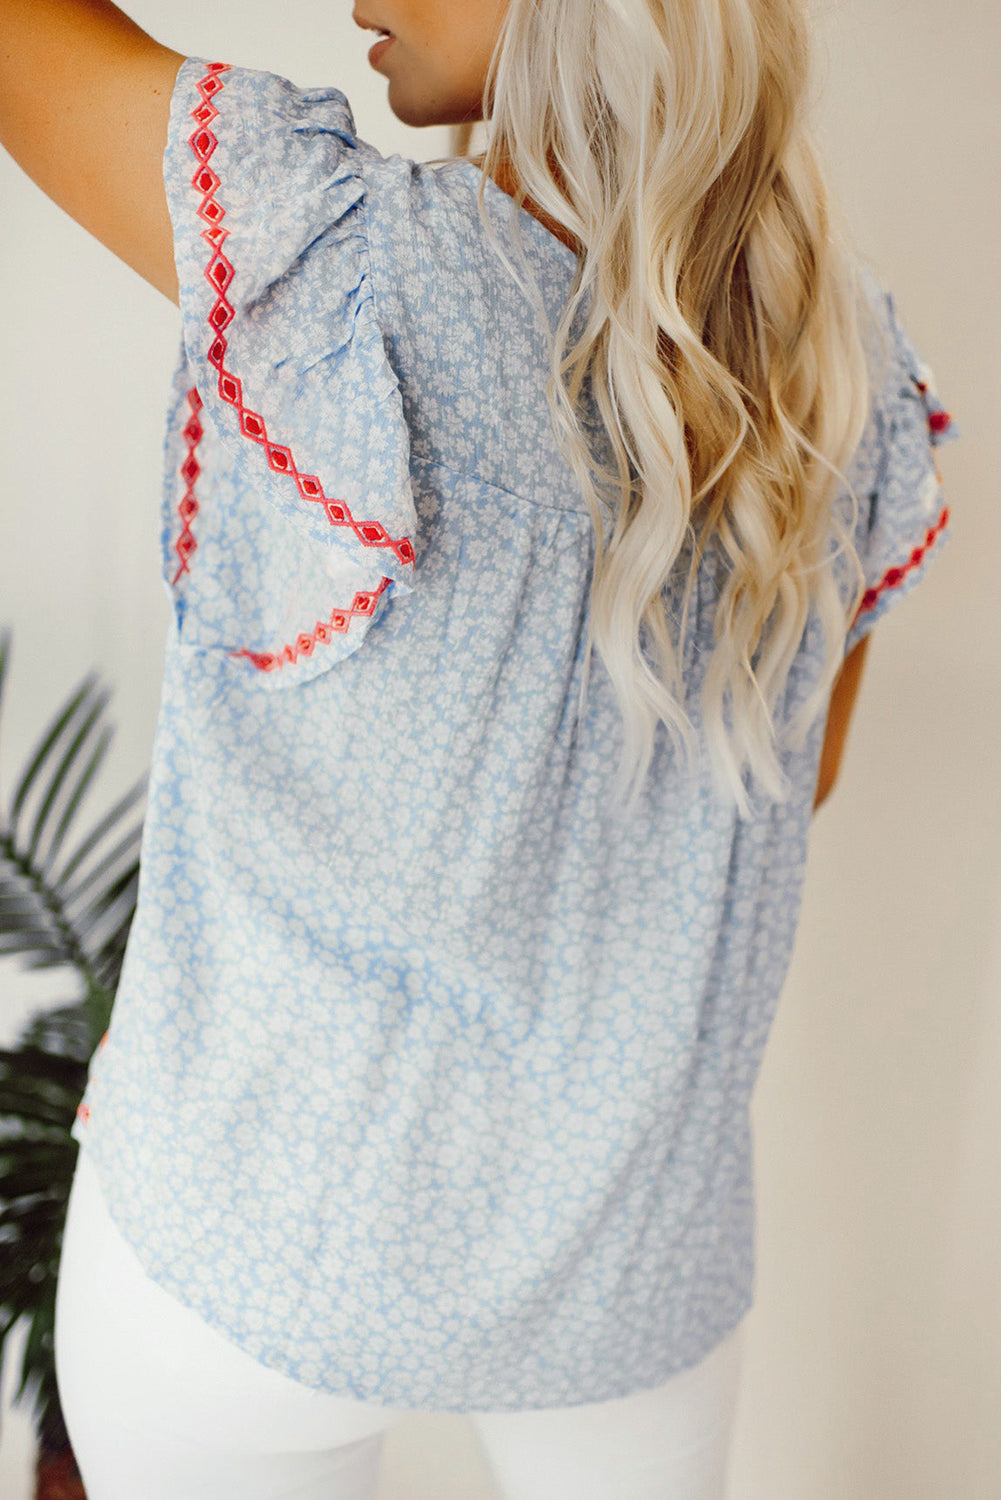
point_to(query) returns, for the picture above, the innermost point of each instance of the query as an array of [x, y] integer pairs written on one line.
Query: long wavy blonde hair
[[723, 344]]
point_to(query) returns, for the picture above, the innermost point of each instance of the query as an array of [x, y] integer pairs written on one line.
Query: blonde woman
[[525, 521]]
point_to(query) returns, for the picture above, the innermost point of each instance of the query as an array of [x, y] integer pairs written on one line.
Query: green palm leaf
[[66, 1031], [76, 915], [109, 822], [79, 701], [39, 1086]]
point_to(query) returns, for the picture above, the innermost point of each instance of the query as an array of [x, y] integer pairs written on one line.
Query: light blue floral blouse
[[427, 1080]]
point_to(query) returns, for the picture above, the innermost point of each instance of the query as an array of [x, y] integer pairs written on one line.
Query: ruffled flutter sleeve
[[904, 519], [288, 514]]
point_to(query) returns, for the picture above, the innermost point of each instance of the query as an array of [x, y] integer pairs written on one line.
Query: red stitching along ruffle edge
[[219, 272], [82, 1109], [364, 603], [939, 420], [190, 470], [894, 576]]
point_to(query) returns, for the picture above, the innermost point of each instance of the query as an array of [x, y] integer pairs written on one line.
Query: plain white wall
[[873, 1363]]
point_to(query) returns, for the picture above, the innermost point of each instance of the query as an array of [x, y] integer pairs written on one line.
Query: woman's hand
[[84, 104]]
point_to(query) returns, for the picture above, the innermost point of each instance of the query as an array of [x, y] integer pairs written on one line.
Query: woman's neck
[[506, 179]]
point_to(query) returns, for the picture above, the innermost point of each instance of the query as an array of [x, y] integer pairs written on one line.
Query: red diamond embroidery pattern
[[894, 576], [190, 470], [219, 273], [363, 604]]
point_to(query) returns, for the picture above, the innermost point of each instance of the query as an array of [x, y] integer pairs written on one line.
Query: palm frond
[[78, 917], [50, 738], [110, 821], [61, 774], [72, 802], [70, 895], [48, 917], [40, 1086], [70, 1030]]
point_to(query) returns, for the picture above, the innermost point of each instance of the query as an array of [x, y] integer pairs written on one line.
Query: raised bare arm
[[84, 105]]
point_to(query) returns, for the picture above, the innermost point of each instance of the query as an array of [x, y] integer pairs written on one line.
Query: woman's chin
[[422, 111]]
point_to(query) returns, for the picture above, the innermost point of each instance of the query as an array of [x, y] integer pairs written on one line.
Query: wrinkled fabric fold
[[288, 515]]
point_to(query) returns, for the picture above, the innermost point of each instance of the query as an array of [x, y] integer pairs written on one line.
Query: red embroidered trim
[[190, 470], [340, 619], [363, 604], [938, 421], [82, 1109], [893, 576], [219, 272]]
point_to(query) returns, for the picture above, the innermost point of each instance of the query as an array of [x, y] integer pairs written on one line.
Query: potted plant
[[67, 899]]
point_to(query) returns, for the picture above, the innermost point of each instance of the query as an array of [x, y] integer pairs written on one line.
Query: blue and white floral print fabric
[[304, 530], [428, 1075], [904, 518]]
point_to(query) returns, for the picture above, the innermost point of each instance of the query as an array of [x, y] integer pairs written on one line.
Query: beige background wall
[[873, 1364]]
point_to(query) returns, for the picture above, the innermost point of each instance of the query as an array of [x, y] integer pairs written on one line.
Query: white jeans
[[160, 1406]]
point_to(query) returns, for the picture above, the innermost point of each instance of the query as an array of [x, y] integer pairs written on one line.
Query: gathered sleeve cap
[[904, 519], [289, 518]]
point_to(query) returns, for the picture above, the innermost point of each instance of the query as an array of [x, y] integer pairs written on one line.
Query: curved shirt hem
[[402, 1399]]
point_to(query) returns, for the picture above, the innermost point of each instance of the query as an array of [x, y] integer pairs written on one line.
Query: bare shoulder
[[84, 107]]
